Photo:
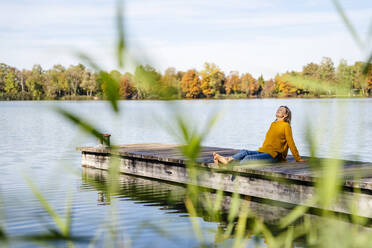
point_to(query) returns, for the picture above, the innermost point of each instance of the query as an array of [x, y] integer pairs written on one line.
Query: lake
[[39, 144]]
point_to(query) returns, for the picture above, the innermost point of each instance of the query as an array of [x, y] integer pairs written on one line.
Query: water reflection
[[170, 197]]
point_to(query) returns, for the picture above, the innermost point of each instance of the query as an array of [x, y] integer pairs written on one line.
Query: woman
[[275, 147]]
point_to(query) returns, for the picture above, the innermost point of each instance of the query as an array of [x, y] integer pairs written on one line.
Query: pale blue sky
[[260, 37]]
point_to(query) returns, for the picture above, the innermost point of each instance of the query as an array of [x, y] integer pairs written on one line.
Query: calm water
[[39, 144]]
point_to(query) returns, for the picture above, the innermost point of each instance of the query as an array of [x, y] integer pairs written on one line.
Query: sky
[[256, 36]]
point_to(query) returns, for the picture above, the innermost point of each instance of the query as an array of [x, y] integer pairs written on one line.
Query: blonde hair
[[288, 118]]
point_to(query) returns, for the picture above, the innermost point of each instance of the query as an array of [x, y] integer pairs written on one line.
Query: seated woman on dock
[[275, 147]]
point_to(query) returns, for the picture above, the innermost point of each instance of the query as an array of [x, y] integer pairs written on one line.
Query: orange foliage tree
[[127, 90], [249, 84], [233, 83], [190, 84], [283, 87], [269, 89]]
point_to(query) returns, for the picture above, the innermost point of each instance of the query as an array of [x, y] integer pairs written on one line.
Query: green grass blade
[[120, 29], [241, 226], [88, 60], [111, 86], [368, 65], [44, 203], [289, 237], [83, 124], [294, 215], [348, 24], [112, 90], [68, 215], [194, 221]]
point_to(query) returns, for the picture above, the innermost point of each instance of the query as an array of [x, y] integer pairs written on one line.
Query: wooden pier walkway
[[290, 182]]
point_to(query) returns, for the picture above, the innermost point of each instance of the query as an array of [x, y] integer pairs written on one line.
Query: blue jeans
[[245, 155]]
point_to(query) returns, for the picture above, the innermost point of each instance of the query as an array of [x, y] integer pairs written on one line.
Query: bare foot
[[215, 160], [220, 158]]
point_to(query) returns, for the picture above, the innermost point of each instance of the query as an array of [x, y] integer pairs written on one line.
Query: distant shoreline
[[187, 99], [77, 82]]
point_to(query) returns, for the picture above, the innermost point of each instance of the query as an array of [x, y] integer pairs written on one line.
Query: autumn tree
[[190, 84], [212, 80], [58, 82], [249, 84], [283, 88], [180, 74], [127, 89], [268, 89], [233, 83]]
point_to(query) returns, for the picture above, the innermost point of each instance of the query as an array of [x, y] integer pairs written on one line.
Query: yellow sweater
[[278, 139]]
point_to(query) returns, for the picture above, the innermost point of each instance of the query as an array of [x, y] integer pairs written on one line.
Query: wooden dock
[[284, 182]]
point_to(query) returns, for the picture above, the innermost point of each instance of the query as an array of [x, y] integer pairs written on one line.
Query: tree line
[[78, 82]]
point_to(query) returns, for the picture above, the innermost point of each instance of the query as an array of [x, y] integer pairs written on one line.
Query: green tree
[[4, 70], [345, 75], [147, 81], [89, 83], [311, 70], [171, 81], [359, 80], [11, 88], [170, 77], [326, 69], [22, 83], [50, 85], [58, 78], [116, 75], [74, 76], [34, 82]]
